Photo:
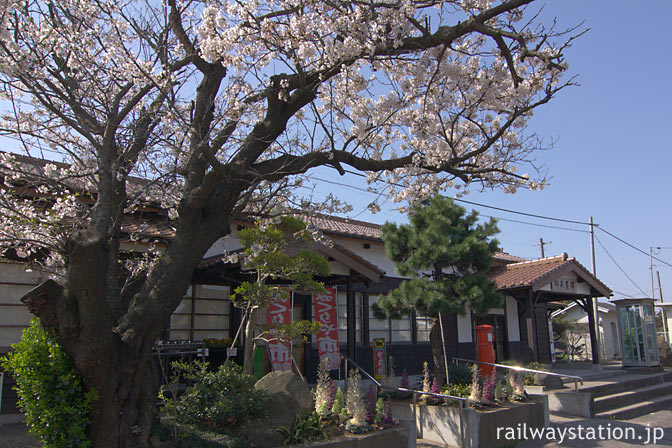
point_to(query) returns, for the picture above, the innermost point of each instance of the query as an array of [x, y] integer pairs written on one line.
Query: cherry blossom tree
[[207, 110]]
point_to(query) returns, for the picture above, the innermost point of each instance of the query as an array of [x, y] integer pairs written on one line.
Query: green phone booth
[[637, 330]]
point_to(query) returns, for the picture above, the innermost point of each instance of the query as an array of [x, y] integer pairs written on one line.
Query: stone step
[[620, 399], [602, 374], [624, 383], [638, 409]]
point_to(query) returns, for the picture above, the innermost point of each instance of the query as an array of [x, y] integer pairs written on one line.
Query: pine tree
[[456, 250]]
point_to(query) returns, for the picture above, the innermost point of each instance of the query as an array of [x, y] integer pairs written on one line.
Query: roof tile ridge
[[562, 256], [343, 219]]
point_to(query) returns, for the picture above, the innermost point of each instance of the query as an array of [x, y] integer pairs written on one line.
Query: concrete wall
[[441, 424]]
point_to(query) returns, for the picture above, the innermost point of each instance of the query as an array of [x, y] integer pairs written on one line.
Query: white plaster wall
[[512, 323], [609, 345], [668, 315], [226, 244], [580, 287], [374, 255], [464, 327]]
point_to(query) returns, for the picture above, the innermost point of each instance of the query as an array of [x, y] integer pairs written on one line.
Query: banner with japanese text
[[379, 359], [279, 313], [324, 305]]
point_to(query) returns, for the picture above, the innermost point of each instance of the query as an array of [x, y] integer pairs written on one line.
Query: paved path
[[643, 429], [15, 435]]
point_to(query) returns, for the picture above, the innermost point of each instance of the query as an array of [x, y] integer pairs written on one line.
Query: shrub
[[529, 376], [459, 374], [50, 389], [306, 428], [458, 390], [223, 398]]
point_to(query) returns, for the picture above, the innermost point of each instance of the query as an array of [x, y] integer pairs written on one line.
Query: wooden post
[[351, 309], [594, 346]]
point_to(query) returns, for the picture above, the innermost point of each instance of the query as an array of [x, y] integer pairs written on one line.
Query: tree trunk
[[112, 353], [123, 414], [125, 384], [437, 352], [248, 348]]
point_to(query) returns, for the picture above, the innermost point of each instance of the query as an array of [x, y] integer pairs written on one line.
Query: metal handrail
[[519, 369], [523, 369], [415, 393]]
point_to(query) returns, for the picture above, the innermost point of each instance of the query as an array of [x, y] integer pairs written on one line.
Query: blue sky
[[612, 157]]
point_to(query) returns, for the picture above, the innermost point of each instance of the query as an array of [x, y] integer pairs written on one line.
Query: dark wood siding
[[543, 340], [9, 396]]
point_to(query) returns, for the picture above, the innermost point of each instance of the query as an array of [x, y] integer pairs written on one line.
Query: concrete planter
[[400, 437], [441, 424]]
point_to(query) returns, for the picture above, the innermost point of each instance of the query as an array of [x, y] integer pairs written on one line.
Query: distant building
[[609, 338]]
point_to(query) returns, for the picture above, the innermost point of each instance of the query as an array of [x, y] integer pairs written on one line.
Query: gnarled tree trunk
[[112, 351]]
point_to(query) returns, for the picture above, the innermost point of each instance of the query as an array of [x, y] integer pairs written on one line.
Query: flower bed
[[441, 424]]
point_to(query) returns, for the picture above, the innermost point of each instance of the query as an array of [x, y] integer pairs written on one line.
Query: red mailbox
[[485, 348]]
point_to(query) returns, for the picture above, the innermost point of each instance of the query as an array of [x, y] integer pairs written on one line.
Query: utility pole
[[596, 309], [592, 247], [541, 244], [653, 289]]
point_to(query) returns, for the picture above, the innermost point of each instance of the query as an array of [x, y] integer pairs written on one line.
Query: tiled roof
[[151, 228], [345, 226], [369, 231], [508, 258], [527, 273]]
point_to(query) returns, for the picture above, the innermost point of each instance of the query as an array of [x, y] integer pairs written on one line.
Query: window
[[424, 325], [393, 330], [342, 302], [378, 328], [205, 314]]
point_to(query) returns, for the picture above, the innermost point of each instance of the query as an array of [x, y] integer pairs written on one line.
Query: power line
[[532, 215], [481, 205], [634, 247], [535, 224], [619, 267]]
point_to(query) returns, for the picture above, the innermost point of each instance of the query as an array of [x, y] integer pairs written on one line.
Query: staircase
[[628, 396]]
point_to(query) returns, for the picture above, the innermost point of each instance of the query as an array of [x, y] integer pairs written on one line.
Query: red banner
[[279, 312], [324, 305], [379, 359]]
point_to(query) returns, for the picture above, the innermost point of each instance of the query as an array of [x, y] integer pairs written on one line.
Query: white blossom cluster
[[80, 80]]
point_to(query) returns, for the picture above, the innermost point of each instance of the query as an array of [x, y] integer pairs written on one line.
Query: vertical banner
[[379, 359], [324, 305], [279, 313]]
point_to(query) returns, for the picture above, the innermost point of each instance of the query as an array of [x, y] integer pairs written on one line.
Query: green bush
[[221, 399], [306, 428], [458, 390], [459, 374], [50, 390]]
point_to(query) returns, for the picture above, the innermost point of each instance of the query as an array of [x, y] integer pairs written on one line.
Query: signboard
[[564, 284], [324, 305], [278, 313], [379, 358]]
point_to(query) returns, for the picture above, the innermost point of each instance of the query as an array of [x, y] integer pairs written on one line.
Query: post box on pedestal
[[485, 349]]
